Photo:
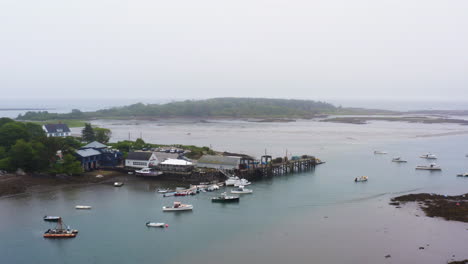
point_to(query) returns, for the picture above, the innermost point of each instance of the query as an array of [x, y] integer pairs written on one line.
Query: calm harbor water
[[320, 216]]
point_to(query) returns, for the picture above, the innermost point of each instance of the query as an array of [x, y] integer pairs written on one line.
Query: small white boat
[[463, 174], [242, 182], [231, 181], [399, 160], [213, 187], [428, 156], [241, 190], [380, 152], [153, 224], [163, 190], [178, 207], [118, 184], [361, 179], [433, 166], [148, 172], [83, 207]]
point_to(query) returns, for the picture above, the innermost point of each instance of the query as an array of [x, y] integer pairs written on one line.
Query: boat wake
[[357, 200]]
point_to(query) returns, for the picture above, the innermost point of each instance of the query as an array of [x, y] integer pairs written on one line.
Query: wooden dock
[[268, 168]]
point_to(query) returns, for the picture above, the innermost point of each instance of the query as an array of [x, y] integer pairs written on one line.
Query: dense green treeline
[[25, 146], [217, 107]]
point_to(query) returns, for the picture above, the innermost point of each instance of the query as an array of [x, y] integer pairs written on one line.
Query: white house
[[141, 159], [57, 130]]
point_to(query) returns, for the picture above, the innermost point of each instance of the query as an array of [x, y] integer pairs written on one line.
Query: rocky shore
[[452, 208], [12, 184]]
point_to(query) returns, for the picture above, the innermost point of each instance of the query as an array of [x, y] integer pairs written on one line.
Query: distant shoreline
[[26, 109]]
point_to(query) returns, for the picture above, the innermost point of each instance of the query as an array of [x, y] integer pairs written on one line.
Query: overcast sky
[[397, 49]]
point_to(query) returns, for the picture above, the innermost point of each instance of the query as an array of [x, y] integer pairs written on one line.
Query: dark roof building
[[94, 145], [57, 130], [139, 155], [96, 155]]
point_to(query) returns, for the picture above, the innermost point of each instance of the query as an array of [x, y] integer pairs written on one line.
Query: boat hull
[[172, 209], [224, 200], [241, 192], [83, 207], [51, 218], [431, 169], [71, 235], [155, 224]]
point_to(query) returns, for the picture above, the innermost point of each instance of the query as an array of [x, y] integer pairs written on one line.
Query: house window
[[136, 163]]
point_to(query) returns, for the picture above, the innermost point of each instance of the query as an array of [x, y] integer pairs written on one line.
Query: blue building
[[96, 155]]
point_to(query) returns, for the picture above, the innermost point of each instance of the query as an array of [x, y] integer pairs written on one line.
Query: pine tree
[[87, 134]]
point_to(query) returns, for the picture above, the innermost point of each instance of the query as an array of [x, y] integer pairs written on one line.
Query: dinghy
[[85, 207], [153, 224]]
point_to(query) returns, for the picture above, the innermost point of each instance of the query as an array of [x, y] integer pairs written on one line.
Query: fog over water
[[368, 49]]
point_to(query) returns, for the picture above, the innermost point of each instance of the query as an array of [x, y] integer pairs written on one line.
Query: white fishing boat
[[428, 156], [463, 174], [148, 172], [154, 224], [118, 184], [380, 152], [241, 190], [231, 181], [361, 179], [85, 207], [213, 187], [242, 182], [398, 160], [169, 194], [432, 166], [178, 207]]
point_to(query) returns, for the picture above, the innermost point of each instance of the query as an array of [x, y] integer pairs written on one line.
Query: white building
[[141, 159], [57, 130]]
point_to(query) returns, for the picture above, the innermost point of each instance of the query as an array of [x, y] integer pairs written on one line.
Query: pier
[[268, 167]]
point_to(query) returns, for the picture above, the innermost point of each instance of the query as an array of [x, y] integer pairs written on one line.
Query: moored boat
[[398, 160], [241, 190], [380, 152], [242, 182], [50, 218], [60, 232], [118, 184], [178, 206], [463, 174], [154, 224], [169, 194], [428, 156], [223, 198], [163, 190], [231, 181], [83, 207], [433, 166], [361, 179], [213, 187], [148, 172]]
